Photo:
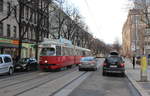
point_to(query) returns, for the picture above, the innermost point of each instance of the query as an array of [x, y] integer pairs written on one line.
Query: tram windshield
[[48, 52]]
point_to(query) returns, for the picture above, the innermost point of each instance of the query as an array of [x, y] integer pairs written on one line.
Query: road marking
[[52, 86], [68, 89]]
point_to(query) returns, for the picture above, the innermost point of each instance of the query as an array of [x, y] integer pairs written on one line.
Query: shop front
[[28, 50], [8, 46]]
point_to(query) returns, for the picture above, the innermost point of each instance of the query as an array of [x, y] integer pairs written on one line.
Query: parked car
[[26, 64], [114, 64], [6, 64], [88, 63]]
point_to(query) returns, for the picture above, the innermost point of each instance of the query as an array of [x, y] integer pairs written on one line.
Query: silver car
[[88, 63], [6, 64]]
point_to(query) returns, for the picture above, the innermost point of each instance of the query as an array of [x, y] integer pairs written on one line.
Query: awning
[[8, 45]]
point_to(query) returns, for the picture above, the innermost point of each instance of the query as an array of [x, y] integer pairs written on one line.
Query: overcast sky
[[105, 18]]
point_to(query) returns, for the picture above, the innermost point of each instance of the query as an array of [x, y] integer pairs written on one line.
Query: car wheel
[[95, 69], [80, 69], [122, 74], [10, 71], [28, 68]]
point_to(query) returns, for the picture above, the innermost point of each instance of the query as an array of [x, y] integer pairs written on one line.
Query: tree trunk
[[20, 31]]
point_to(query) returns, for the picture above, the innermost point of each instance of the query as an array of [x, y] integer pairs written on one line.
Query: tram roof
[[82, 48], [56, 42], [52, 42]]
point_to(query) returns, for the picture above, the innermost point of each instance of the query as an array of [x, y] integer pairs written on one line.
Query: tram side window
[[72, 52], [85, 53], [58, 50], [64, 51], [69, 52], [78, 52]]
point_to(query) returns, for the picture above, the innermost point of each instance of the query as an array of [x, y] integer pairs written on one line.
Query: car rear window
[[114, 53], [87, 59], [113, 59]]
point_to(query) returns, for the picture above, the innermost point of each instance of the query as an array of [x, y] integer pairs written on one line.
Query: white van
[[6, 64]]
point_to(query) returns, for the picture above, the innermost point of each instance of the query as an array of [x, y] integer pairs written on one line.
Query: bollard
[[144, 69]]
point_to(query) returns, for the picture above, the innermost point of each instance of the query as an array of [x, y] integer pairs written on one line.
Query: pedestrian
[[133, 62], [16, 59]]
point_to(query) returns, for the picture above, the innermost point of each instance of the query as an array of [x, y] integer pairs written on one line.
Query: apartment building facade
[[28, 20], [8, 28], [135, 41]]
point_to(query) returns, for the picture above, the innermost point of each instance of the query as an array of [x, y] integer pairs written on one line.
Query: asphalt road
[[68, 82], [98, 85]]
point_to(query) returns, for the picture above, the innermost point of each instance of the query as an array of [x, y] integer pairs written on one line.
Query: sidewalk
[[134, 76]]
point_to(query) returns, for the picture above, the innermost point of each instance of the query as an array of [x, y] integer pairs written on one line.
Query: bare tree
[[39, 19], [8, 11], [58, 18], [116, 45], [65, 20]]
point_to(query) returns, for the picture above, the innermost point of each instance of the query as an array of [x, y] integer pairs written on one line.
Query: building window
[[1, 5], [15, 31], [15, 11], [27, 13], [8, 30], [31, 32], [22, 13], [35, 18], [1, 29], [8, 7]]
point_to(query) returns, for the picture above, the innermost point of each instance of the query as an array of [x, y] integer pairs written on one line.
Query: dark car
[[26, 64], [114, 64]]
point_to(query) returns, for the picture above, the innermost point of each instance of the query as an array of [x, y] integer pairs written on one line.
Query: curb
[[140, 90]]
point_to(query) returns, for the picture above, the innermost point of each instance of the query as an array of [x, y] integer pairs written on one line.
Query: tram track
[[14, 89], [52, 87], [18, 75], [57, 91], [38, 85], [10, 83]]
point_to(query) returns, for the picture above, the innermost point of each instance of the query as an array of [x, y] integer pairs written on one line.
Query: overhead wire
[[91, 15]]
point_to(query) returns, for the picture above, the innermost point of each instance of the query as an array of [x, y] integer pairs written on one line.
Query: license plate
[[18, 67], [113, 66]]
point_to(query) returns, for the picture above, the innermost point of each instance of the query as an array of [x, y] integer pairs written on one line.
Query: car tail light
[[122, 65]]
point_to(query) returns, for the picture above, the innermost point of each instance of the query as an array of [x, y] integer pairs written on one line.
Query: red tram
[[57, 55]]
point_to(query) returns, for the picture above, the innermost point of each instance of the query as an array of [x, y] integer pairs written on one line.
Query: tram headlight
[[45, 61]]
